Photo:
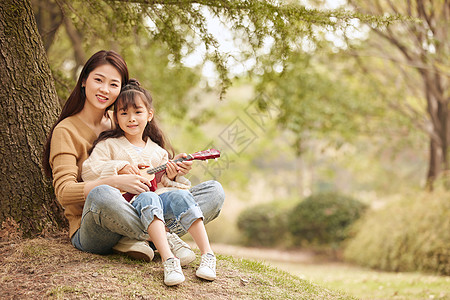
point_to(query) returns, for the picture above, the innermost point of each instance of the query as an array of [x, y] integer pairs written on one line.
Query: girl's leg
[[207, 268], [149, 208], [198, 233], [181, 210], [157, 233], [209, 196]]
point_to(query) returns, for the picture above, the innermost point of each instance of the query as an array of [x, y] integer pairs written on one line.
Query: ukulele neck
[[164, 166]]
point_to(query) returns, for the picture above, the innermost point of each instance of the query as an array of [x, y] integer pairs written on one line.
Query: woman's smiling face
[[102, 87]]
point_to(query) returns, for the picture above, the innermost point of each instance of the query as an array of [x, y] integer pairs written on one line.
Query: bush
[[324, 219], [409, 235], [263, 225]]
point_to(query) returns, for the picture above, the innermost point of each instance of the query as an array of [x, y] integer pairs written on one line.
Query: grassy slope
[[52, 268]]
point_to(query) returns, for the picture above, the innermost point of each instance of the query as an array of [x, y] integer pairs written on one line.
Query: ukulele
[[155, 174]]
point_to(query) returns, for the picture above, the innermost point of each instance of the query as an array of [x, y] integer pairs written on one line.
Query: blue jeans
[[107, 217]]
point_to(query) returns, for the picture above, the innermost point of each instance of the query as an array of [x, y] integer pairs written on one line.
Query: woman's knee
[[211, 200], [181, 198], [104, 197], [217, 190]]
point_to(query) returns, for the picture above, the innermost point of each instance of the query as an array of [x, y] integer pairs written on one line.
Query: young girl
[[137, 139]]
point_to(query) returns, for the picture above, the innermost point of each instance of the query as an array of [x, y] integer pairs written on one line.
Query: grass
[[371, 284], [51, 268], [359, 282]]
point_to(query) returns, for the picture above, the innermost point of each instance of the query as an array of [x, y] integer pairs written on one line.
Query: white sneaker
[[134, 248], [172, 272], [207, 269], [180, 249]]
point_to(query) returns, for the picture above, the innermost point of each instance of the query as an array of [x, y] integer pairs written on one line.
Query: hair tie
[[133, 82]]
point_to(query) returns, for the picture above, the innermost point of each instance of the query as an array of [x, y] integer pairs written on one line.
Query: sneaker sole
[[174, 282], [206, 277], [136, 255]]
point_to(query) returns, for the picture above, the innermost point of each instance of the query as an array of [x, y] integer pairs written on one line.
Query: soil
[[50, 267]]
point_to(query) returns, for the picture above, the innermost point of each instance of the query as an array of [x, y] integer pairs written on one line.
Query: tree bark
[[29, 107]]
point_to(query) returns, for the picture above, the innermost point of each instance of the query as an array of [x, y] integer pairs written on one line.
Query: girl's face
[[102, 87], [133, 119]]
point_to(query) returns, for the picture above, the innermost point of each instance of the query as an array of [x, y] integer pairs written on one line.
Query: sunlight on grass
[[62, 292], [370, 284], [279, 279], [32, 250]]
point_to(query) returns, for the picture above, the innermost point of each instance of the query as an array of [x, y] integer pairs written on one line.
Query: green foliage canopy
[[182, 25]]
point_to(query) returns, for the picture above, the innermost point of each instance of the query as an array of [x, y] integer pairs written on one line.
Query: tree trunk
[[49, 18], [437, 108], [29, 107]]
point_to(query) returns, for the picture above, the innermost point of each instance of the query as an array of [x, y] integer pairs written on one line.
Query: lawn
[[362, 283]]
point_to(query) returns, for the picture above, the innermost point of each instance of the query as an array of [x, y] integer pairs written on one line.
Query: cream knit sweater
[[112, 154]]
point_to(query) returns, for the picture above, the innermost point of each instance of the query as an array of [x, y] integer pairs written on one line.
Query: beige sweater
[[111, 155], [71, 140]]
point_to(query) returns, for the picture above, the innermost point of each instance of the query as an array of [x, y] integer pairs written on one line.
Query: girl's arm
[[101, 168], [101, 163]]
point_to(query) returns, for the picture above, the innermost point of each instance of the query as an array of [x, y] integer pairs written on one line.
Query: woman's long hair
[[128, 97], [77, 98]]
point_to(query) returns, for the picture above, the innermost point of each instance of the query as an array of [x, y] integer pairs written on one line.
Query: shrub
[[263, 225], [408, 235], [324, 219]]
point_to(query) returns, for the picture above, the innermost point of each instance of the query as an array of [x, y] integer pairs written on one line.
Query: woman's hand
[[129, 169], [132, 183], [183, 167]]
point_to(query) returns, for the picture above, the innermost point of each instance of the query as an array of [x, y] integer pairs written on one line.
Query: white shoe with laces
[[207, 269], [173, 274], [180, 249]]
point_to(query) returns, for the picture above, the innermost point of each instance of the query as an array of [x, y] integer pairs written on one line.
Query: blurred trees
[[367, 79], [419, 51]]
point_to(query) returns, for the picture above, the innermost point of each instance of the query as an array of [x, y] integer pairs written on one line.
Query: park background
[[322, 102]]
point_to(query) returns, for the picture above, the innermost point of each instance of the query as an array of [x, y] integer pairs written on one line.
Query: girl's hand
[[134, 184], [171, 170], [183, 167], [129, 169]]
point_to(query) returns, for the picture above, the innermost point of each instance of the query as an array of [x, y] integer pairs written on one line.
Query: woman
[[99, 220]]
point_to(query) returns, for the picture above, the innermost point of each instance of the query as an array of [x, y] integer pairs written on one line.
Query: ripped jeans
[[107, 217]]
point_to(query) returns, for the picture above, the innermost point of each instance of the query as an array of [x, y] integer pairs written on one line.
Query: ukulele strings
[[163, 167]]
